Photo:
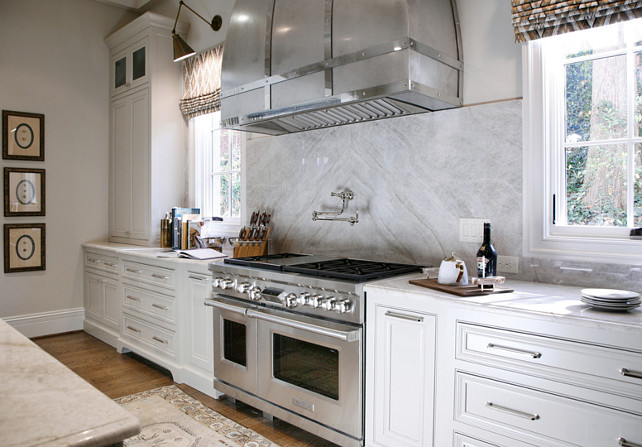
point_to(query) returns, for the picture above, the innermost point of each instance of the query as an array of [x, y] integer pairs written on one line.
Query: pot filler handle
[[348, 336]]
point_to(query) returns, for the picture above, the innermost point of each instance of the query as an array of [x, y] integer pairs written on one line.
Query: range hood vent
[[298, 65]]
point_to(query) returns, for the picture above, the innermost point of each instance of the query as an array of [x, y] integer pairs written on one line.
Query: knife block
[[252, 248]]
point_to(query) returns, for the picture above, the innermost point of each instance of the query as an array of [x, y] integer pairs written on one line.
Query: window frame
[[541, 132], [201, 168]]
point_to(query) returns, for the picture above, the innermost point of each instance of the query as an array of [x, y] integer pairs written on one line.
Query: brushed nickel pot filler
[[288, 337]]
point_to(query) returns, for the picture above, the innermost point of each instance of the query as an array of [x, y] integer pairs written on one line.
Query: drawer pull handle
[[623, 442], [198, 278], [131, 328], [132, 270], [533, 354], [133, 298], [404, 316], [158, 306], [160, 340], [521, 414], [629, 373], [109, 264], [156, 275], [95, 261]]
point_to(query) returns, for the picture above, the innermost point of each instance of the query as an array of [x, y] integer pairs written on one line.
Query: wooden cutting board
[[469, 290]]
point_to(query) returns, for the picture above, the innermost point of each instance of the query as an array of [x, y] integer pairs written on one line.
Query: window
[[218, 168], [583, 142]]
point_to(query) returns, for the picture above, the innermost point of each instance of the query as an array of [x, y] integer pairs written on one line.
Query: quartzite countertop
[[42, 402], [543, 301]]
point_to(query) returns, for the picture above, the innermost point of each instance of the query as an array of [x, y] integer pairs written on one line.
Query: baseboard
[[201, 381], [48, 323]]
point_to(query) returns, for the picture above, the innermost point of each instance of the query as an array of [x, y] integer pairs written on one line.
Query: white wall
[[53, 61]]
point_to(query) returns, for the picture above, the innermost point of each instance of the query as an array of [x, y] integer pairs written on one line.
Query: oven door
[[311, 367], [234, 343]]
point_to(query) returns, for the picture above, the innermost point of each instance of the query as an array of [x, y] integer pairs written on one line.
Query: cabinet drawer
[[549, 357], [539, 417], [157, 305], [150, 274], [151, 335], [102, 262]]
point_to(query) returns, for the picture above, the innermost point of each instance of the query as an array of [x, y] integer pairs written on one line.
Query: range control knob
[[243, 287], [226, 283], [254, 293], [303, 298], [328, 303], [315, 300], [289, 300], [343, 306], [216, 281]]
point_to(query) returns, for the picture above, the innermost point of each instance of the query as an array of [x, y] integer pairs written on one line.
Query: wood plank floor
[[118, 375]]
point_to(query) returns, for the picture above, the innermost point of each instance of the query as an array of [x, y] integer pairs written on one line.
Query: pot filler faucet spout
[[334, 215]]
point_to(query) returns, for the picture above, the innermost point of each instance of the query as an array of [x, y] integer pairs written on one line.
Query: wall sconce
[[181, 49]]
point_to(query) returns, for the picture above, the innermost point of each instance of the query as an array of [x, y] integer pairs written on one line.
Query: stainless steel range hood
[[297, 65]]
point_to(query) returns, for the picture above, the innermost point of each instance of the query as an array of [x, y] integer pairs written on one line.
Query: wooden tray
[[469, 290]]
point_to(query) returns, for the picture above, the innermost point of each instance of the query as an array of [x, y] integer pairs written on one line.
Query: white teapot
[[453, 271]]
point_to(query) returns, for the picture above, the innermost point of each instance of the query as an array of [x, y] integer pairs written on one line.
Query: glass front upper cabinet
[[129, 67]]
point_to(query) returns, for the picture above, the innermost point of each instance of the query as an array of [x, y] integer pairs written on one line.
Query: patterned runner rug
[[169, 417]]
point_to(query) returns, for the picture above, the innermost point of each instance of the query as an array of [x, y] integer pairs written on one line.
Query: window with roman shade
[[534, 19], [202, 83]]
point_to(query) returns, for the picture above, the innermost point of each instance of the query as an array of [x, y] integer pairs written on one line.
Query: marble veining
[[45, 403], [413, 178]]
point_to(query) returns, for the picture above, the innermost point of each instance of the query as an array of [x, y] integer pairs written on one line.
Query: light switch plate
[[471, 230], [507, 264]]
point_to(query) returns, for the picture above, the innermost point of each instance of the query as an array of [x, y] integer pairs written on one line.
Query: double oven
[[288, 338]]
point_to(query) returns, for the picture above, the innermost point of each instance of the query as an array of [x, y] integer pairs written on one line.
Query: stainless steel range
[[288, 337]]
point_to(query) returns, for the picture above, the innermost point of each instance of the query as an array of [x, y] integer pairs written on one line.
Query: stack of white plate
[[610, 299]]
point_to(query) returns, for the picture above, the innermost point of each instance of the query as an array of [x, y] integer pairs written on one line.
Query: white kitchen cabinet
[[146, 129], [102, 301], [129, 67], [198, 346], [400, 367], [150, 313]]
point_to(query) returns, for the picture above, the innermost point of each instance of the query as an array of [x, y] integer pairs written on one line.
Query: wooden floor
[[118, 375]]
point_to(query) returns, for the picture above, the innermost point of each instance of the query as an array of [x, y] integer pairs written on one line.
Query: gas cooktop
[[357, 270]]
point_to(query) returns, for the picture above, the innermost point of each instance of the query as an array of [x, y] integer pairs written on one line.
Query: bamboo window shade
[[202, 83], [534, 19]]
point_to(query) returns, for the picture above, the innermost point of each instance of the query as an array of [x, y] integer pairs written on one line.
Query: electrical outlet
[[507, 264], [472, 230]]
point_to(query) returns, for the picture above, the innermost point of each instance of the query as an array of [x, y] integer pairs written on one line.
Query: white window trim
[[539, 239], [229, 227]]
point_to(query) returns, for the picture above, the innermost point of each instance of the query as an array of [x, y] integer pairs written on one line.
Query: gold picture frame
[[23, 136], [24, 192], [24, 247]]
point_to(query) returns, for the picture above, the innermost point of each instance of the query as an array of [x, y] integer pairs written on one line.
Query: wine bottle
[[486, 256]]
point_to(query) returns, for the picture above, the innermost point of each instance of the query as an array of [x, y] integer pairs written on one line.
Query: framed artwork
[[23, 136], [24, 192], [24, 247]]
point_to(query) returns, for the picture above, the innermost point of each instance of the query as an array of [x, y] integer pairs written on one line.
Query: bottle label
[[482, 266]]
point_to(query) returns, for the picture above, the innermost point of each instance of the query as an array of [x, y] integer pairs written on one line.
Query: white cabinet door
[[129, 68], [400, 377], [200, 351], [102, 302], [130, 133]]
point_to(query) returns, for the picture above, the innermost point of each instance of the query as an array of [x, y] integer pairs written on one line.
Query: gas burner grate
[[352, 269]]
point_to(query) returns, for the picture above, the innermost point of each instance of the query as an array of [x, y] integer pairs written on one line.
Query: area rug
[[169, 417]]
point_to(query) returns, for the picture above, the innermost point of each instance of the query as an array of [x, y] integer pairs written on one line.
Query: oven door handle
[[348, 336], [217, 303]]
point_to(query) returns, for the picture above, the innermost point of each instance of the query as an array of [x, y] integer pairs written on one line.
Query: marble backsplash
[[413, 178]]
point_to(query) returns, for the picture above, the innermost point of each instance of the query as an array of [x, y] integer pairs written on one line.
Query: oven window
[[306, 365], [234, 342]]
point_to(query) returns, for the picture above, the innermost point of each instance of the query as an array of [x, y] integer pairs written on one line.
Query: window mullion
[[630, 133]]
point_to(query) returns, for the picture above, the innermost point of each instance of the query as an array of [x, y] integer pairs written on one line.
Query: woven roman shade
[[202, 83], [534, 19]]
